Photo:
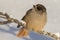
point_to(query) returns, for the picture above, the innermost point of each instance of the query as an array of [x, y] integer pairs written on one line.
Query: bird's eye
[[39, 8]]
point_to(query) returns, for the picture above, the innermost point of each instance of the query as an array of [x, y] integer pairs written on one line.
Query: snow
[[8, 32], [58, 34]]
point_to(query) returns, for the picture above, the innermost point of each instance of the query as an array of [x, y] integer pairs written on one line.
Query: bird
[[35, 19]]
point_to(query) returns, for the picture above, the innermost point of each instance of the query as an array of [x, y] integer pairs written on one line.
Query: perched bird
[[35, 19]]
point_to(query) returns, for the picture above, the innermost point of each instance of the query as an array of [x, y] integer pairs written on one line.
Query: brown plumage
[[35, 19]]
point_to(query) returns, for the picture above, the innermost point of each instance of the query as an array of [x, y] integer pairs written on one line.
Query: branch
[[10, 20]]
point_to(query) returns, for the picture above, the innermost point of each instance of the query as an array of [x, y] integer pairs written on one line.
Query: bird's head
[[39, 7]]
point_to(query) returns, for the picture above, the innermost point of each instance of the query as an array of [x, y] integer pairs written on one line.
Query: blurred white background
[[18, 8]]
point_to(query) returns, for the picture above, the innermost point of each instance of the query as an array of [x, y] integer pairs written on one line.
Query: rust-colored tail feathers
[[23, 32]]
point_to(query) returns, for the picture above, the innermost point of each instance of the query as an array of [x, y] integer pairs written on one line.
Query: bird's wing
[[27, 13]]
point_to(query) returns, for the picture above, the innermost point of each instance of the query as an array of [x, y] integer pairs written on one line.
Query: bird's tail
[[23, 32]]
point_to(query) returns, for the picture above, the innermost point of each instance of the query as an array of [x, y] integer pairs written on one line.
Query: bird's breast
[[36, 22]]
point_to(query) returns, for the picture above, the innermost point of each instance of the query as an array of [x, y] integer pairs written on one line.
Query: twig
[[10, 20]]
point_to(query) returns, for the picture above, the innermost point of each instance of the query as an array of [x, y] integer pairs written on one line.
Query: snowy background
[[18, 8]]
